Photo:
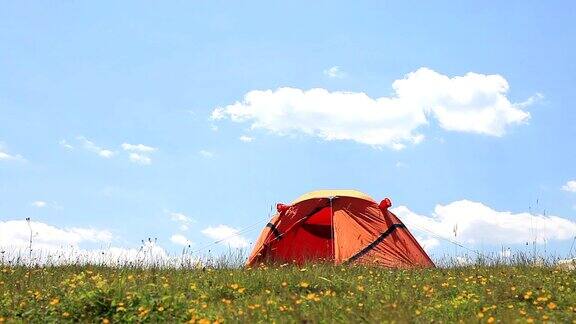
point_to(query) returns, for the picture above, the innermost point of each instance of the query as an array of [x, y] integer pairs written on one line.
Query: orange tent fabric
[[338, 226]]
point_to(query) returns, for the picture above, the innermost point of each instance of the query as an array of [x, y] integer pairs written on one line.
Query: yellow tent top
[[333, 193]]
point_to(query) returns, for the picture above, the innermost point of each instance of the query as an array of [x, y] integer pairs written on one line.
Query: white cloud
[[39, 204], [90, 146], [183, 220], [149, 254], [180, 239], [139, 158], [507, 253], [66, 145], [474, 103], [139, 153], [400, 165], [428, 243], [206, 154], [246, 139], [106, 154], [138, 148], [226, 235], [570, 186], [463, 261], [335, 73], [477, 223], [16, 233], [54, 245], [5, 156], [179, 217]]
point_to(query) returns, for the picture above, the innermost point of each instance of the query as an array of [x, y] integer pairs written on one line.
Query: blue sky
[[78, 80]]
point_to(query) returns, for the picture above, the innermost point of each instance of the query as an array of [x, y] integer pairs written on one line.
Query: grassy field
[[312, 293]]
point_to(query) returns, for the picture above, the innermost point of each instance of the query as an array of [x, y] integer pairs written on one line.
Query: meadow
[[287, 293]]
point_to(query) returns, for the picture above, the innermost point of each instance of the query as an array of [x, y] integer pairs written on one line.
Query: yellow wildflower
[[143, 312]]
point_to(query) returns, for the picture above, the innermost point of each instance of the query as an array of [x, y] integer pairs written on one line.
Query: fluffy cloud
[[180, 239], [183, 220], [138, 148], [570, 186], [139, 158], [400, 165], [428, 243], [477, 223], [66, 145], [226, 235], [474, 103], [16, 233], [334, 72], [39, 204], [139, 153], [90, 146], [246, 139], [54, 245], [206, 154], [5, 156]]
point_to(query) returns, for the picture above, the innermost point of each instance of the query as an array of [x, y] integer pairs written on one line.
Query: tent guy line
[[457, 243]]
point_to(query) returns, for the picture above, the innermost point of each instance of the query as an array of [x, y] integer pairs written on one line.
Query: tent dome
[[338, 226], [333, 193]]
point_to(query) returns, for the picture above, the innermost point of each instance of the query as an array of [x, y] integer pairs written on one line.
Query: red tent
[[338, 226]]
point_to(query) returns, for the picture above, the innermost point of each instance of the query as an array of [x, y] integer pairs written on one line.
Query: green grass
[[316, 293]]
